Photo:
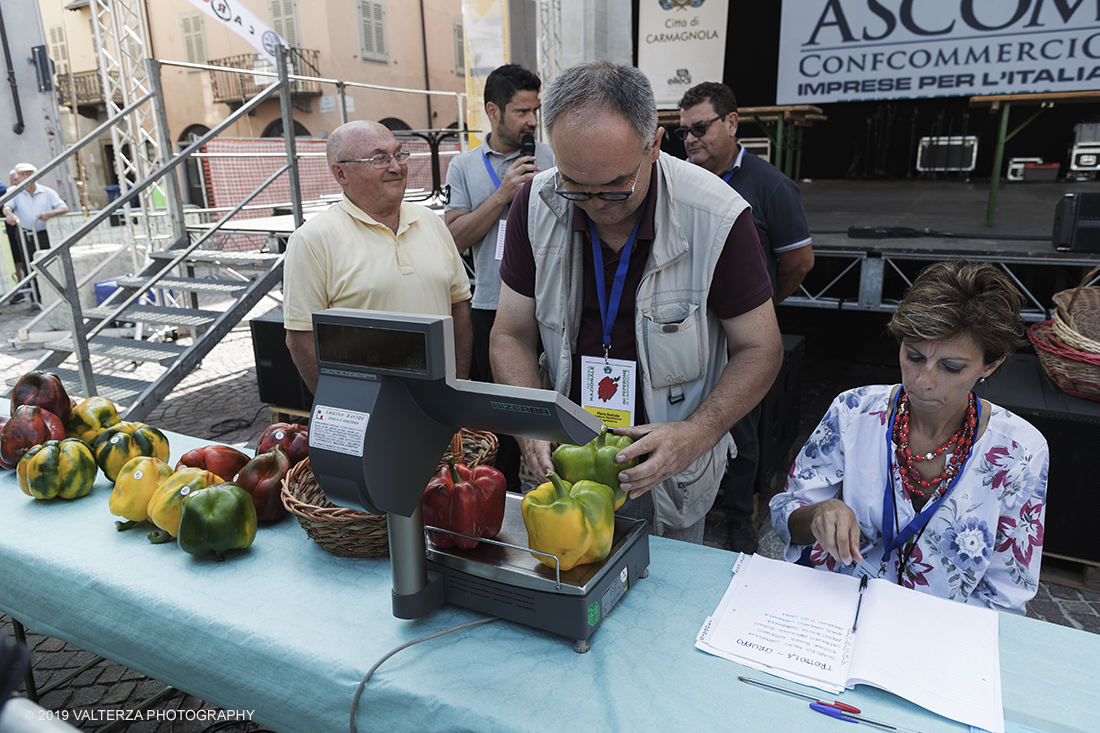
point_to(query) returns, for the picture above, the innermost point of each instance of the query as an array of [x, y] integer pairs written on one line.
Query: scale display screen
[[386, 349]]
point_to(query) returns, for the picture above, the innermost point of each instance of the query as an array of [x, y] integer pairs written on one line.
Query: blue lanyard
[[729, 174], [918, 523], [608, 311], [489, 166]]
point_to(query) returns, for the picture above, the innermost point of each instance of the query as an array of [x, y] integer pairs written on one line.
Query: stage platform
[[871, 274]]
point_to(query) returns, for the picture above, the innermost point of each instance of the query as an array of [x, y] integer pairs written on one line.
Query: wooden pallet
[[286, 414], [1071, 571]]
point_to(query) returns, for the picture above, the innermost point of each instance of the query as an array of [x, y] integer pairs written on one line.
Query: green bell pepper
[[595, 461], [216, 519]]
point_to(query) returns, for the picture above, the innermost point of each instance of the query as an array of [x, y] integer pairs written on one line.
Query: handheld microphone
[[527, 145]]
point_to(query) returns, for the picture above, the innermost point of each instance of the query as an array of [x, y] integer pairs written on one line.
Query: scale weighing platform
[[387, 405]]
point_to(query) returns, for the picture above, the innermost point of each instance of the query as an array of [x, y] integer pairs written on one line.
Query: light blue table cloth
[[288, 630]]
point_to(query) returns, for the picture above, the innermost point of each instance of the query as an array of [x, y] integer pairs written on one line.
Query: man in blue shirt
[[708, 127], [29, 210], [481, 184]]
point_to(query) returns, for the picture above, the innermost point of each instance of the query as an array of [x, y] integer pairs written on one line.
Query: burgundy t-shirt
[[740, 282]]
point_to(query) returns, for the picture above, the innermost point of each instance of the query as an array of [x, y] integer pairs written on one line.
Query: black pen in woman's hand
[[862, 587]]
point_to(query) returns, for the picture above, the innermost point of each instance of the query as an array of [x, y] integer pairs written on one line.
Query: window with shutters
[[460, 47], [372, 31], [194, 38], [284, 21], [58, 53]]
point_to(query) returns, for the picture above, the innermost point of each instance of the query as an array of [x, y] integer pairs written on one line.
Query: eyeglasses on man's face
[[382, 160], [605, 195], [698, 129]]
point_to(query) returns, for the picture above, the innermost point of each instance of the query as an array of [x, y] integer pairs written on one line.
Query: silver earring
[[981, 380]]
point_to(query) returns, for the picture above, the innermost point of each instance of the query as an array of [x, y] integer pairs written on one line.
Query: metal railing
[[85, 86], [230, 85]]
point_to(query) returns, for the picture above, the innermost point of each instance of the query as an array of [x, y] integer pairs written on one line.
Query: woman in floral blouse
[[921, 482]]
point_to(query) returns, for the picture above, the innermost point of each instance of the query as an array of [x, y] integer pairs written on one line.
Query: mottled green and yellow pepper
[[117, 445], [57, 468], [573, 522], [90, 418], [217, 519], [595, 461], [135, 485], [167, 501]]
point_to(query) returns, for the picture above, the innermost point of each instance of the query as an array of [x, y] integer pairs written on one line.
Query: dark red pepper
[[45, 390], [294, 439], [221, 460], [29, 426], [262, 478], [466, 500]]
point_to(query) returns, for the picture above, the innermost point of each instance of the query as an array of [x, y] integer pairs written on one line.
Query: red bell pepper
[[29, 426], [45, 390], [466, 500], [262, 478], [294, 439], [222, 460]]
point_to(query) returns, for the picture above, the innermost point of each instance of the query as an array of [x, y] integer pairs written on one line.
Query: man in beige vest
[[677, 330]]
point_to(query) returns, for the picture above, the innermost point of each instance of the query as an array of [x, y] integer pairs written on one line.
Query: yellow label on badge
[[611, 418]]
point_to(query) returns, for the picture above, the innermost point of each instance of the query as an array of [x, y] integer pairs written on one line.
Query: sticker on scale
[[607, 390], [338, 430]]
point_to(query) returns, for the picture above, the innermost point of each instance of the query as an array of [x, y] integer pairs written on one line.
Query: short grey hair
[[602, 85]]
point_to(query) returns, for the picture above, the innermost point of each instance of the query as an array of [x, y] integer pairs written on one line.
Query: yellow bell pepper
[[134, 488], [90, 418], [573, 522], [167, 501]]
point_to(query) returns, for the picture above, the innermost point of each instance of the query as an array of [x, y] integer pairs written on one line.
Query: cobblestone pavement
[[220, 401]]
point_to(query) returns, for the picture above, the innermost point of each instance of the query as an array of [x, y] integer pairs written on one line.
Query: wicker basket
[[1077, 317], [358, 534], [1076, 372]]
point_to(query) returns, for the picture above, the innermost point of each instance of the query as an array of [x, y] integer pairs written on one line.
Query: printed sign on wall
[[847, 50], [680, 44]]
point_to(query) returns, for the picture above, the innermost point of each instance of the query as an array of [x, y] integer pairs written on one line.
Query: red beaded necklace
[[957, 447]]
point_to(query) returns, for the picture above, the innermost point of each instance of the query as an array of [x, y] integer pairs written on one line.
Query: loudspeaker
[[278, 378], [1071, 426], [1077, 223]]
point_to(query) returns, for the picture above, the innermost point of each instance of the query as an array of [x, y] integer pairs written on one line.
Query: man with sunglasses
[[676, 338], [708, 127], [481, 184], [372, 249]]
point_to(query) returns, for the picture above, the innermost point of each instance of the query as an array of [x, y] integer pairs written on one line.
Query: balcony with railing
[[85, 86], [234, 88]]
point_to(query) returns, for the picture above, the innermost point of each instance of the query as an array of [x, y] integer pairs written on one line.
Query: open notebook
[[796, 622]]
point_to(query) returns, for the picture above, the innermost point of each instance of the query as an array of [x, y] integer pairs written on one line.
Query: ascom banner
[[847, 50], [681, 43]]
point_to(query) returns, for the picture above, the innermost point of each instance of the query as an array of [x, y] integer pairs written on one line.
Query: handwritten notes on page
[[796, 623]]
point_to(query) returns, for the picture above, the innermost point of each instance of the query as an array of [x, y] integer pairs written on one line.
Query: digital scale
[[386, 408]]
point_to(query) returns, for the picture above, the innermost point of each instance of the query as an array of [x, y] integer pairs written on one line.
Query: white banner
[[848, 50], [234, 15], [680, 44]]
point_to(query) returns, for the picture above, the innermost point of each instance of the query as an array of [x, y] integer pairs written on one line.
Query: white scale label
[[338, 430]]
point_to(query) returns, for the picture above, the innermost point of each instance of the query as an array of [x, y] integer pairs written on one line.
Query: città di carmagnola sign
[[848, 50]]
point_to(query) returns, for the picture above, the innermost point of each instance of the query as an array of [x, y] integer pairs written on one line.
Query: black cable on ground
[[233, 424]]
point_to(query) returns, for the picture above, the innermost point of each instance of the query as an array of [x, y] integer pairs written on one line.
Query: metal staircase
[[152, 368]]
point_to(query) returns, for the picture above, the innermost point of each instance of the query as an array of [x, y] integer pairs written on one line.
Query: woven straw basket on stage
[[358, 534], [1069, 345]]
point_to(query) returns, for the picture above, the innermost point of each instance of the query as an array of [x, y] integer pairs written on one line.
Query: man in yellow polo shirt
[[372, 250]]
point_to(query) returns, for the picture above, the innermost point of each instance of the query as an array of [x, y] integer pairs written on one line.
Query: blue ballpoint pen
[[841, 715]]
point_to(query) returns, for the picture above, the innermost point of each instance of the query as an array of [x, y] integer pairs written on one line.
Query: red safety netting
[[234, 171]]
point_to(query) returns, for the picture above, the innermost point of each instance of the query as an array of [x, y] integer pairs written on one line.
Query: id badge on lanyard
[[607, 389], [502, 225]]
